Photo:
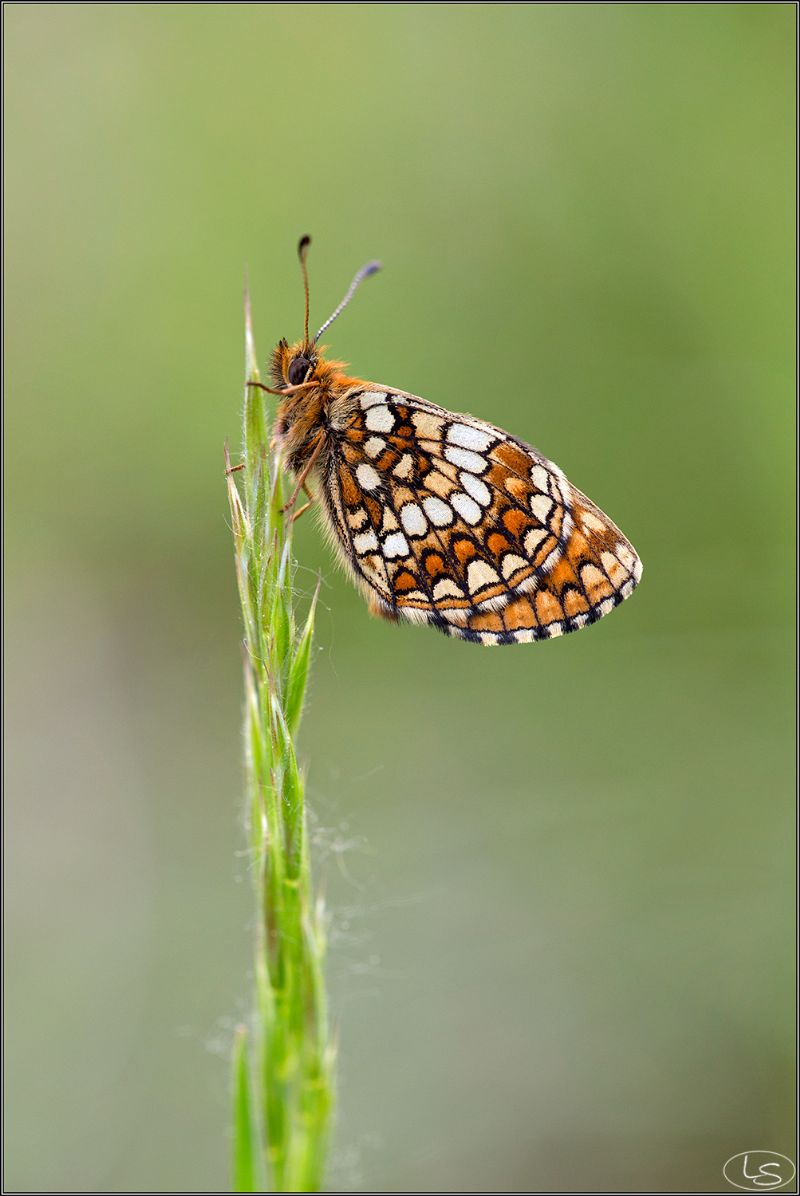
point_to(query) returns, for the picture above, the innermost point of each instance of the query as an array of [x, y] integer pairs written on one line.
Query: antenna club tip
[[303, 246], [372, 268]]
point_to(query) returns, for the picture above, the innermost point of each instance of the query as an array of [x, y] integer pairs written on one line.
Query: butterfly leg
[[287, 390], [302, 510], [301, 481]]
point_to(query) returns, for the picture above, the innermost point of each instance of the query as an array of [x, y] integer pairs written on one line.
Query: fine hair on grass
[[282, 1068]]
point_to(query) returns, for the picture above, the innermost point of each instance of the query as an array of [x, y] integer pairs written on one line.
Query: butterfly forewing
[[449, 520]]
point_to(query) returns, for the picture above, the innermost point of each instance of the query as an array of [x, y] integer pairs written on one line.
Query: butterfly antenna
[[302, 253], [364, 272]]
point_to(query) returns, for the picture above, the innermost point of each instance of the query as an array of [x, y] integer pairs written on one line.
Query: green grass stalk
[[282, 1081]]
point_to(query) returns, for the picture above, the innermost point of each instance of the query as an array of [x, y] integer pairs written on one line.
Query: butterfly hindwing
[[449, 520], [597, 570]]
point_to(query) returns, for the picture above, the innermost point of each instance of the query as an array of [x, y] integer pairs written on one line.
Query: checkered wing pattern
[[450, 521]]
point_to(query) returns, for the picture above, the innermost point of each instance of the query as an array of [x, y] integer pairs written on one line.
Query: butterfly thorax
[[304, 416]]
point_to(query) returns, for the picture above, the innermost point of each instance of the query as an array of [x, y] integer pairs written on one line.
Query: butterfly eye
[[298, 370]]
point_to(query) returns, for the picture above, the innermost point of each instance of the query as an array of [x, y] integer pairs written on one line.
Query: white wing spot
[[428, 426], [413, 520], [447, 588], [389, 523], [374, 446], [357, 519], [534, 539], [512, 563], [541, 507], [540, 478], [466, 507], [404, 467], [479, 574], [379, 418], [591, 576], [371, 397], [395, 545], [475, 488], [439, 513], [469, 438], [368, 478], [366, 542], [591, 522], [464, 459]]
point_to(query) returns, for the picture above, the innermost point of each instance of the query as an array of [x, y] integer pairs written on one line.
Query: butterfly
[[440, 518]]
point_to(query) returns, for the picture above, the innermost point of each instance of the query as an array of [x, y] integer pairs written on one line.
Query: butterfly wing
[[595, 571], [448, 520]]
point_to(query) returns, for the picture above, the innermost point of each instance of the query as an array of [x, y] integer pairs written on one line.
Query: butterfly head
[[292, 365]]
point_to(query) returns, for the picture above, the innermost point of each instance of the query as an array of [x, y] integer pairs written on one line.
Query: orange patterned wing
[[450, 521], [596, 570]]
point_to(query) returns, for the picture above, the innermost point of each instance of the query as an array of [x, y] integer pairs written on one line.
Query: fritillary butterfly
[[441, 518]]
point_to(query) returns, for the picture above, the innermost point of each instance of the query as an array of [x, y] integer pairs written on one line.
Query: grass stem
[[282, 1080]]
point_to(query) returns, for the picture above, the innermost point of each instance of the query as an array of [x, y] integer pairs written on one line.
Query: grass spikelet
[[282, 1072]]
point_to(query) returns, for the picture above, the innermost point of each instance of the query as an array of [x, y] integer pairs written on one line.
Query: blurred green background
[[561, 875]]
